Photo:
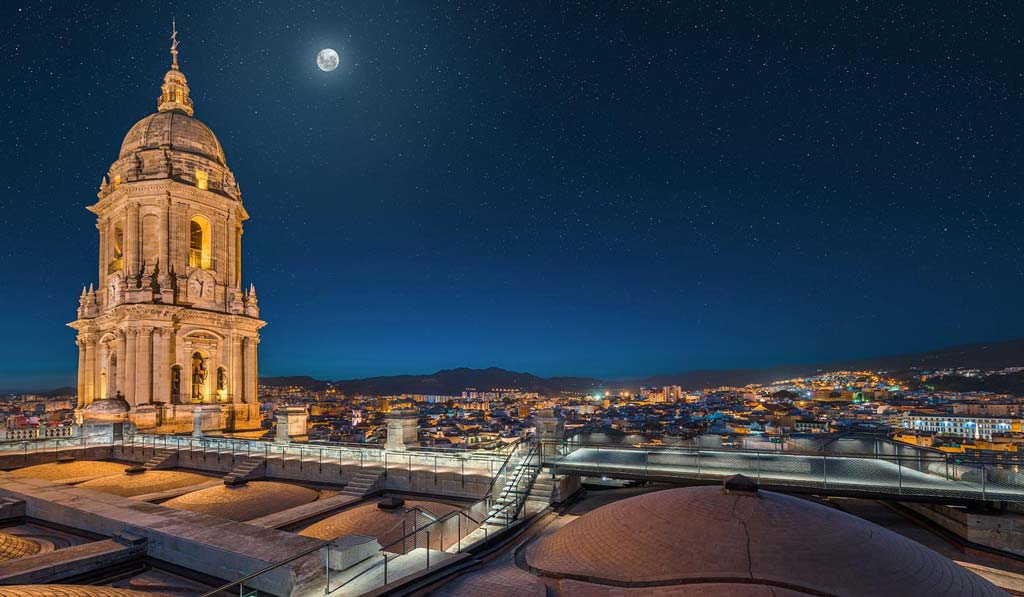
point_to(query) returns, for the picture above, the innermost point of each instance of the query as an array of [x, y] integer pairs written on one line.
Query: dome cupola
[[174, 92]]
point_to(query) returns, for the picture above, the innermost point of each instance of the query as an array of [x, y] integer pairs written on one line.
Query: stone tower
[[169, 326]]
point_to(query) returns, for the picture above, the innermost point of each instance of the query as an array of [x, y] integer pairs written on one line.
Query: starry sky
[[606, 189]]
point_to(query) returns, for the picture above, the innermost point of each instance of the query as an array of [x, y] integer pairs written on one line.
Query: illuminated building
[[169, 327]]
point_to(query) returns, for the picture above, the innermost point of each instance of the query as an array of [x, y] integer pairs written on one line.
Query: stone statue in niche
[[221, 381], [175, 384], [198, 377]]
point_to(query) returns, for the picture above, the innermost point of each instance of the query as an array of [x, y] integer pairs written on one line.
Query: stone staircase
[[541, 493], [365, 482], [166, 458], [253, 467]]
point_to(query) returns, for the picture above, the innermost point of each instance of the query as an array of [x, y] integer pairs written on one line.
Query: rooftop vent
[[740, 484], [391, 503]]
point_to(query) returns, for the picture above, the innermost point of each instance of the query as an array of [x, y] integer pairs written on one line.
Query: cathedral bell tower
[[169, 326]]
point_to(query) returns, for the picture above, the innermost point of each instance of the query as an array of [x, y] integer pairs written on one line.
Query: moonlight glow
[[327, 60]]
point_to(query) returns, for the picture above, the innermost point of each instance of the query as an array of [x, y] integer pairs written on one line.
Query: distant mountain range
[[446, 382], [987, 355]]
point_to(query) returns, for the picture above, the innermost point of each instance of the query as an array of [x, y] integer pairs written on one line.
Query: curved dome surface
[[70, 591], [368, 519], [13, 547], [705, 535], [62, 471], [175, 129], [244, 502], [142, 483]]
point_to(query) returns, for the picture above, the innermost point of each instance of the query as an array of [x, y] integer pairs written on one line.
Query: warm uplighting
[[199, 243], [202, 180]]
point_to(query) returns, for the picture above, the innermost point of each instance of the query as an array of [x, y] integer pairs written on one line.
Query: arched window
[[202, 180], [199, 243], [117, 249]]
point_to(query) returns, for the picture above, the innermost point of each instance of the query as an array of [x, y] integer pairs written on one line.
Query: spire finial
[[174, 44], [174, 94]]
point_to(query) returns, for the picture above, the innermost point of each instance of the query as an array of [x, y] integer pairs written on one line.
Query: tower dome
[[175, 130]]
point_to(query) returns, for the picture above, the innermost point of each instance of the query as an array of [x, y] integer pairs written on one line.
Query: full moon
[[327, 60]]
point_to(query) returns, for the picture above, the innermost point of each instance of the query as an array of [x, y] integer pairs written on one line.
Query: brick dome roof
[[705, 535], [127, 485], [386, 525], [176, 130], [13, 547], [244, 502], [70, 591], [76, 469]]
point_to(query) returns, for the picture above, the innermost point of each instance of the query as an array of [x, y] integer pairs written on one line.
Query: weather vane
[[174, 44]]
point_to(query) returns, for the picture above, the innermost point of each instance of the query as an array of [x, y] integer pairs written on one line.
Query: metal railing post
[[824, 471], [899, 472], [983, 479]]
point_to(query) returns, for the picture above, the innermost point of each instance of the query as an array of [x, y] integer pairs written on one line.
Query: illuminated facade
[[977, 427], [169, 326]]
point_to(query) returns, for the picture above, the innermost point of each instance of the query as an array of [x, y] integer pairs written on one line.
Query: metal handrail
[[521, 496], [927, 452], [494, 478]]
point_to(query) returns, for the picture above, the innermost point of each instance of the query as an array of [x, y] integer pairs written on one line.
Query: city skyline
[[469, 191]]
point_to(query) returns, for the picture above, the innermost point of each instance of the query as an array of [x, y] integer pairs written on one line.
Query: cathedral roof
[[13, 547], [142, 483], [244, 502], [383, 524], [710, 535], [174, 129]]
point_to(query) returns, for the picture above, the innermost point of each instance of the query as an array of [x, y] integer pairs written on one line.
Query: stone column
[[161, 367], [144, 368], [235, 371], [131, 241], [130, 364], [255, 371], [83, 369], [164, 235], [172, 359], [91, 373], [229, 242], [122, 369], [101, 278], [179, 238], [102, 361], [249, 371], [221, 252]]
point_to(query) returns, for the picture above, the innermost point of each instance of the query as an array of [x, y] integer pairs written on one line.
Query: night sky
[[612, 190]]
